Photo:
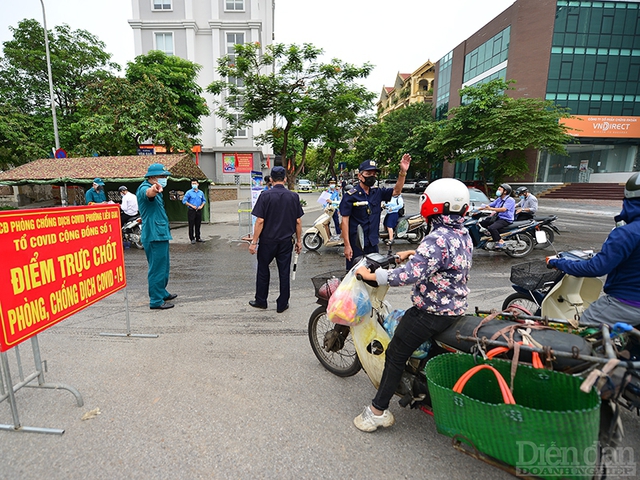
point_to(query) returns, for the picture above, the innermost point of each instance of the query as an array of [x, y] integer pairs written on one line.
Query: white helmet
[[445, 196]]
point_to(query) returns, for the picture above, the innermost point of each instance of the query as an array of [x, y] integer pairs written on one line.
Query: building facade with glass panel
[[583, 55]]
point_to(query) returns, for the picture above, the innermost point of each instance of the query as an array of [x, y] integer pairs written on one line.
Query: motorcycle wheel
[[312, 241], [135, 237], [344, 362], [419, 235], [550, 237], [525, 245], [521, 303]]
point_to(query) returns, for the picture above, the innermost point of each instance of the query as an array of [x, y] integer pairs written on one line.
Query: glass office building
[[583, 55]]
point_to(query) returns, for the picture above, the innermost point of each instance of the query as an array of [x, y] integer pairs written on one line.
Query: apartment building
[[408, 88], [584, 55], [202, 31]]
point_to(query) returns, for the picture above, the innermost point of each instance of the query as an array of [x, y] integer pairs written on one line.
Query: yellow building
[[408, 88]]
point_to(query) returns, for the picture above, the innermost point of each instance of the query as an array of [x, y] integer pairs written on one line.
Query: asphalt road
[[227, 391]]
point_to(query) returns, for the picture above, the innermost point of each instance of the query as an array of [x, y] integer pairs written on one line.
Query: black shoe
[[164, 306], [199, 240], [170, 297], [283, 309], [193, 242], [255, 304]]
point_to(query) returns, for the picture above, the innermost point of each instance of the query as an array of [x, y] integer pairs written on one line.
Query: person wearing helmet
[[619, 260], [505, 208], [96, 193], [527, 207], [439, 270], [129, 205]]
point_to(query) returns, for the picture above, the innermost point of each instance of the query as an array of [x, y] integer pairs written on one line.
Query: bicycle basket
[[323, 284], [534, 275]]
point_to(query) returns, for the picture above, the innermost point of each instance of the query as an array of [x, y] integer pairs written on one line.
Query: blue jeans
[[415, 327]]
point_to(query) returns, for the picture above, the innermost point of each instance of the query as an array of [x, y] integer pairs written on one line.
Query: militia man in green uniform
[[156, 235]]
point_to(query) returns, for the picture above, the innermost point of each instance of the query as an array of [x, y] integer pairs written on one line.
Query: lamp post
[[53, 104]]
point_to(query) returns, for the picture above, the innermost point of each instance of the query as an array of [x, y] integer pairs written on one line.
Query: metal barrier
[[7, 389], [244, 220]]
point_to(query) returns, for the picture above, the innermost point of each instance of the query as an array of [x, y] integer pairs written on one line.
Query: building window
[[234, 39], [487, 56], [164, 42], [162, 5], [234, 5], [239, 132]]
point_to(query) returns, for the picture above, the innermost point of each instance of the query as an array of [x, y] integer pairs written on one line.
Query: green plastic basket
[[553, 426]]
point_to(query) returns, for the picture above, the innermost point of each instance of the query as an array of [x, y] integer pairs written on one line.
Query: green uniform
[[96, 197], [155, 239]]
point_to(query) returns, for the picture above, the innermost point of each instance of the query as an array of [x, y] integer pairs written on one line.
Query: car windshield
[[306, 182], [477, 196]]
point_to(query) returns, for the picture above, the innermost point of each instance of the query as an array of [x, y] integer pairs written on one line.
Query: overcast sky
[[395, 37]]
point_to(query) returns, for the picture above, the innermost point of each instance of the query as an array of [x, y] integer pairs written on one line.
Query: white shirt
[[129, 204]]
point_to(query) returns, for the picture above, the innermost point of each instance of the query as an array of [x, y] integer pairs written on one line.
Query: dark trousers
[[359, 253], [124, 218], [266, 253], [415, 328], [524, 216], [336, 222], [494, 227], [158, 273], [195, 220]]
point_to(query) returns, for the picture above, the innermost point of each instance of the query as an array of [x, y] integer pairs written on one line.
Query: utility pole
[[53, 103]]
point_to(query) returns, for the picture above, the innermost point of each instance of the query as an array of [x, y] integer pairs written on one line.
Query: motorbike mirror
[[361, 237]]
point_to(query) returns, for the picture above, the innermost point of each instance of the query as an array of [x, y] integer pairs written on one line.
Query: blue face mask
[[521, 197], [194, 186], [162, 182], [332, 187], [498, 193]]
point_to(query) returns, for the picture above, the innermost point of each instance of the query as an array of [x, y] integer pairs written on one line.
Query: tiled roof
[[85, 169]]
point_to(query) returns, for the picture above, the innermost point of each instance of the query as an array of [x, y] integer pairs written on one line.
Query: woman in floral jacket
[[438, 270]]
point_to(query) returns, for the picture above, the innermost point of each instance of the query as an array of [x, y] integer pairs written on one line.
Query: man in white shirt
[[129, 205]]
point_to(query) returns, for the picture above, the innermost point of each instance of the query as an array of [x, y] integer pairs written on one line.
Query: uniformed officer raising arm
[[362, 205], [155, 235]]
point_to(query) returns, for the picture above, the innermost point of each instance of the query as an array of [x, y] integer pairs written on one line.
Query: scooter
[[517, 240], [132, 232], [412, 228], [320, 233], [345, 350]]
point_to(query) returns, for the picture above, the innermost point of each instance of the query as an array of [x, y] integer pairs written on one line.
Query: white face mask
[[162, 182]]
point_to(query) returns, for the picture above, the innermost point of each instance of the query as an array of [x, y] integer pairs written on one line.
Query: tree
[[286, 83], [78, 59], [498, 129], [179, 76], [119, 114]]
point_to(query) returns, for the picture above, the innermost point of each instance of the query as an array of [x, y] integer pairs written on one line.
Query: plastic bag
[[390, 324], [350, 303]]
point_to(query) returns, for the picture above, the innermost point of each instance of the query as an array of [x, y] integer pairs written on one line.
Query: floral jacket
[[439, 270]]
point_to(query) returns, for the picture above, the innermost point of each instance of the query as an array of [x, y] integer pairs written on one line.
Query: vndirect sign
[[55, 262], [603, 126]]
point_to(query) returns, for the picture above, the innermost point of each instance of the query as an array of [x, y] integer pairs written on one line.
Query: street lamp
[[53, 105]]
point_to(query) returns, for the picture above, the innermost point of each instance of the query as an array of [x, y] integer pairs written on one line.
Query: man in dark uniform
[[278, 213], [155, 235], [362, 205]]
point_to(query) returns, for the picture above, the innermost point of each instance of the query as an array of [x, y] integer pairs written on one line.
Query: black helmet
[[632, 187], [521, 190], [122, 189], [507, 188]]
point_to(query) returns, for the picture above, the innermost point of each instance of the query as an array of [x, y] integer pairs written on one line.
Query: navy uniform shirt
[[365, 210], [280, 210], [155, 223]]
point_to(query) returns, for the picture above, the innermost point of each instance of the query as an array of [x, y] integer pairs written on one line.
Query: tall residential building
[[416, 87], [584, 55], [202, 31]]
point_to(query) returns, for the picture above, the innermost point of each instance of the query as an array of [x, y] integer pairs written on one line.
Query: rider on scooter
[[619, 260], [439, 269], [505, 206]]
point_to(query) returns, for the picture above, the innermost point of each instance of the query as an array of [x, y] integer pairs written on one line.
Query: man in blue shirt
[[334, 198], [362, 205], [278, 217], [505, 206], [96, 193], [195, 200], [156, 235]]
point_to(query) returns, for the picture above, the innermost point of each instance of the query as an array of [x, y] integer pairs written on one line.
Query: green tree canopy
[[498, 129]]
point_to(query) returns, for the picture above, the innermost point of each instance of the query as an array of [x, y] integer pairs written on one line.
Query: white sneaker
[[367, 421]]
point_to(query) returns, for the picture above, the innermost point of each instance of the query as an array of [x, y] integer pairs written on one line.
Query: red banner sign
[[56, 262]]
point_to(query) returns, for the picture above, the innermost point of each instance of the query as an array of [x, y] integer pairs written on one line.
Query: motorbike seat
[[515, 225], [550, 218]]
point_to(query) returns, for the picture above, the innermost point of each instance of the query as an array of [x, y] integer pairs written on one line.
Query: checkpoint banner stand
[[55, 262], [128, 325]]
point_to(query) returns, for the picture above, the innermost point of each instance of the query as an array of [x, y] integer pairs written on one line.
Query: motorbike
[[344, 350], [412, 228], [320, 233], [132, 232], [518, 237]]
